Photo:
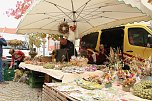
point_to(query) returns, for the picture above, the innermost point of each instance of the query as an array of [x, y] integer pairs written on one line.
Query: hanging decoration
[[72, 31], [63, 28], [73, 28]]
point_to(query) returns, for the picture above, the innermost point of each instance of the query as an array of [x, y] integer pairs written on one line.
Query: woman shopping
[[16, 55]]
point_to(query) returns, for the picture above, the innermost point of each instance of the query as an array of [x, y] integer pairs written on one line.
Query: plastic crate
[[6, 64], [36, 79], [36, 84], [36, 76], [8, 74]]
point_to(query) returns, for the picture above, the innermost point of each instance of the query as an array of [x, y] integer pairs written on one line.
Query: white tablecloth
[[58, 74]]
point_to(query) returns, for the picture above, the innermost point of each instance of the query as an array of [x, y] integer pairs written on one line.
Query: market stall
[[115, 80], [144, 5], [118, 80], [84, 16]]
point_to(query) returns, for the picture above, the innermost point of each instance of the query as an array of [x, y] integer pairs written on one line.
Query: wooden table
[[51, 93]]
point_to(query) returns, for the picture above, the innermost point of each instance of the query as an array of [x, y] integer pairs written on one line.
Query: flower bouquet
[[128, 83], [108, 80]]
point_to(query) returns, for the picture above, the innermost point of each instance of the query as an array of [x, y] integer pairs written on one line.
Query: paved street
[[15, 91]]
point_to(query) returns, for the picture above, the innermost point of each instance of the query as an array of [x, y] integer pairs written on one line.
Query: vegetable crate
[[8, 74], [36, 79], [36, 84]]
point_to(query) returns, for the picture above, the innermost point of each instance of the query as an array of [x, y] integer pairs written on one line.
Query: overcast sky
[[6, 21]]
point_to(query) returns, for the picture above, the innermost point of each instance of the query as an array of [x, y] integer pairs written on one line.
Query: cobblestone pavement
[[15, 91]]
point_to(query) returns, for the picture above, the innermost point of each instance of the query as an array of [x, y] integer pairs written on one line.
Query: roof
[[8, 30]]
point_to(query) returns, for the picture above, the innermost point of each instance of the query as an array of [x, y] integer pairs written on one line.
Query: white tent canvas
[[143, 5], [89, 15]]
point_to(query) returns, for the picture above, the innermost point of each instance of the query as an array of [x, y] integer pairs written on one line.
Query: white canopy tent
[[89, 15], [142, 5]]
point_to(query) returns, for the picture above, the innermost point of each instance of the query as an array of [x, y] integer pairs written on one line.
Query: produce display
[[94, 78], [129, 82], [42, 59], [143, 89], [79, 61], [38, 63], [32, 54], [115, 70], [73, 69], [88, 85], [48, 66], [82, 94], [27, 62], [15, 42], [91, 68]]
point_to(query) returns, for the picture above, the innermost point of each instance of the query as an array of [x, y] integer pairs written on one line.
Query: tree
[[21, 7]]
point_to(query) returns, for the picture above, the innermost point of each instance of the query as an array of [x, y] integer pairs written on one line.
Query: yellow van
[[131, 39]]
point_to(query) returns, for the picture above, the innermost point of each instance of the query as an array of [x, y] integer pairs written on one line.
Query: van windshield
[[24, 46]]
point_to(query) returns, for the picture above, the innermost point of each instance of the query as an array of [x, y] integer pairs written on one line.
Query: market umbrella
[[88, 15], [144, 5]]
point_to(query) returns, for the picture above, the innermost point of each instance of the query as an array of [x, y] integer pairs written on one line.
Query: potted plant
[[36, 40], [108, 80]]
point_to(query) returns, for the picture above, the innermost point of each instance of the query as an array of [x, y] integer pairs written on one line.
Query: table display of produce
[[128, 75], [76, 65], [74, 92], [58, 74]]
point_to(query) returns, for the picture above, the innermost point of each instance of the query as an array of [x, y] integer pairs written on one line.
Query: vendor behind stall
[[95, 57], [102, 57], [69, 48], [16, 55]]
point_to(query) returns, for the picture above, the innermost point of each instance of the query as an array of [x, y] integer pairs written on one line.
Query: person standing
[[69, 47], [16, 55], [102, 58], [2, 43]]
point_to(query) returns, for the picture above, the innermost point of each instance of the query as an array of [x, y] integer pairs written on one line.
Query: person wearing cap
[[2, 43], [16, 55], [69, 47]]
